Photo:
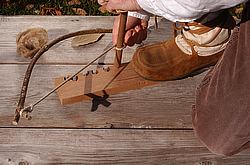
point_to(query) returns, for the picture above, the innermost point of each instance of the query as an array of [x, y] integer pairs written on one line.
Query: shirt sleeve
[[185, 10]]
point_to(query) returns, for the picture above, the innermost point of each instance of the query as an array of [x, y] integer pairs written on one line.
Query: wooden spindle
[[120, 38]]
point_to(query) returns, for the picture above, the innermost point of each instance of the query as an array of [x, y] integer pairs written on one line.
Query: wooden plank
[[167, 105], [63, 52], [77, 146]]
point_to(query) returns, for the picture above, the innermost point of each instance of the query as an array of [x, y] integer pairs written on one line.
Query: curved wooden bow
[[20, 110], [21, 102]]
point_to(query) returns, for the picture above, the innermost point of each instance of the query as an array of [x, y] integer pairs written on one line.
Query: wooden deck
[[147, 126]]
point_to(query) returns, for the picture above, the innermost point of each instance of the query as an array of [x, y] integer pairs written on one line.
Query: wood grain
[[167, 105], [63, 53], [117, 146]]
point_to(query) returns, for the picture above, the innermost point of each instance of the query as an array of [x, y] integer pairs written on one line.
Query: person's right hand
[[136, 31]]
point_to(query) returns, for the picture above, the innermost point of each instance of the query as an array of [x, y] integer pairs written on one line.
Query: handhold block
[[106, 81]]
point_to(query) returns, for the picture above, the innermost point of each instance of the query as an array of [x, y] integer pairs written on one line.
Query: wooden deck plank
[[63, 52], [117, 146], [68, 134], [167, 105]]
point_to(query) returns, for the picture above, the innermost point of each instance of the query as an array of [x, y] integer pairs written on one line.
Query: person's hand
[[114, 5], [136, 31]]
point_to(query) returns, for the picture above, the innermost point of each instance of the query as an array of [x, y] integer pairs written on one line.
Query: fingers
[[126, 5], [130, 37], [135, 36], [144, 24], [139, 31], [103, 2], [106, 6], [131, 22], [136, 31]]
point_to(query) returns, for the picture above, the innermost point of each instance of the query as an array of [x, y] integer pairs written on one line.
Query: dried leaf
[[58, 12], [74, 2], [50, 11], [85, 39], [79, 11]]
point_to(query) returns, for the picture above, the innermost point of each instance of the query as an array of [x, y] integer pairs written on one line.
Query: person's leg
[[221, 116]]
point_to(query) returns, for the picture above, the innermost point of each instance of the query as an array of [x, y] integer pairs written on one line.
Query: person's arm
[[173, 10], [185, 10]]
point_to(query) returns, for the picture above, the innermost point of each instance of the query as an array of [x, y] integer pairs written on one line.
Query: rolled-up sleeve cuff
[[140, 15]]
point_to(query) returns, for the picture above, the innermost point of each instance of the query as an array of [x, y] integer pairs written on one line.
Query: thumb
[[103, 2], [126, 5]]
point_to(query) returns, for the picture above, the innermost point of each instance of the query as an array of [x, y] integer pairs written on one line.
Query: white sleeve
[[185, 10]]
